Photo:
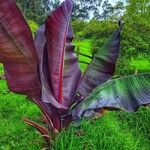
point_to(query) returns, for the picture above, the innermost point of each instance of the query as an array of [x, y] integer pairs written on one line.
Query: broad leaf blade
[[40, 44], [127, 94], [18, 53], [71, 74], [56, 31], [102, 66], [72, 71]]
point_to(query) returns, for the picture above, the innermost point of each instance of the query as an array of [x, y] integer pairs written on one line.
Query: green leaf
[[127, 93]]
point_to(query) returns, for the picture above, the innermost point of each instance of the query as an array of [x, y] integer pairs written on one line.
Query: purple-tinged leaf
[[71, 74], [56, 32], [44, 131], [17, 51], [66, 120], [72, 71], [102, 66], [40, 44], [127, 93]]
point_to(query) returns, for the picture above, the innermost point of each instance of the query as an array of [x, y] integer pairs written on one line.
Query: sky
[[111, 1]]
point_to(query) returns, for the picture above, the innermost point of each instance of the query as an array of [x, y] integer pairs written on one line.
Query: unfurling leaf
[[40, 44], [56, 31], [50, 42], [71, 73]]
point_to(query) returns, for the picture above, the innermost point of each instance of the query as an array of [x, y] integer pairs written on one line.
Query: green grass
[[140, 64], [14, 133], [114, 131], [85, 48], [1, 69]]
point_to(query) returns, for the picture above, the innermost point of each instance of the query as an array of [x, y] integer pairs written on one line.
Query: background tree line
[[96, 20], [37, 10]]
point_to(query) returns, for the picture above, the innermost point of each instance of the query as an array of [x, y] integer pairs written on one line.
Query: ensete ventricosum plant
[[47, 71]]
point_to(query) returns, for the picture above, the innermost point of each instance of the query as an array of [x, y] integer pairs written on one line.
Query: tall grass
[[14, 134]]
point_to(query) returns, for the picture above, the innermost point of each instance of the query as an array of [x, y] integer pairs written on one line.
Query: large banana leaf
[[17, 51], [40, 44], [71, 73], [126, 93], [50, 43], [56, 31], [71, 76], [102, 66]]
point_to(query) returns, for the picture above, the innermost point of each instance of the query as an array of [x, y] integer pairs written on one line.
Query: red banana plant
[[46, 69]]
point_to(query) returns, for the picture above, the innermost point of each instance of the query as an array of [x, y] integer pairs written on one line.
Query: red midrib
[[60, 97]]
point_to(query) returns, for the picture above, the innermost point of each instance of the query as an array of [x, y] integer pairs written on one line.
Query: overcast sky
[[111, 1]]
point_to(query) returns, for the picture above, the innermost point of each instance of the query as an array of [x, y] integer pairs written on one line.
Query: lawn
[[1, 69], [85, 48], [114, 131]]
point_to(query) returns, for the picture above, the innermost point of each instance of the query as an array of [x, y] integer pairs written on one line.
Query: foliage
[[138, 7], [135, 36], [33, 10], [140, 64], [33, 26], [135, 40], [115, 130], [1, 69], [37, 10], [82, 10], [98, 29], [126, 130], [85, 48], [47, 70], [78, 26]]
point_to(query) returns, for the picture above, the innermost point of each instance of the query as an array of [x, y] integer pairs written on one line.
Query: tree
[[37, 10], [107, 10], [118, 9], [83, 9], [138, 7]]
